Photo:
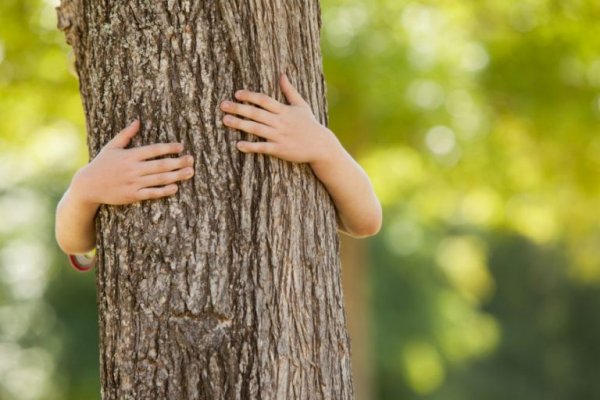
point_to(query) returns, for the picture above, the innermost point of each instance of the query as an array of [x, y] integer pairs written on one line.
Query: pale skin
[[292, 133]]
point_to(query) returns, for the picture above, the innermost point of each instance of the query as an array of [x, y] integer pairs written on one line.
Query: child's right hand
[[122, 176]]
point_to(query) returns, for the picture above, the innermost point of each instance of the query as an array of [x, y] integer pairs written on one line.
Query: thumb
[[290, 92], [122, 138]]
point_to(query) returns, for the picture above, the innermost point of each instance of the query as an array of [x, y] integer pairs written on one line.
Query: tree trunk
[[231, 288], [355, 280]]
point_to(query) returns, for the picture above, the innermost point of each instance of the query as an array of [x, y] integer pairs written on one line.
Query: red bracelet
[[83, 262]]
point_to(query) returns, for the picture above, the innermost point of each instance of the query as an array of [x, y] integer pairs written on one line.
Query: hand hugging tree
[[230, 288]]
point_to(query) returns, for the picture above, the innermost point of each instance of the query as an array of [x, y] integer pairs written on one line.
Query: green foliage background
[[477, 122]]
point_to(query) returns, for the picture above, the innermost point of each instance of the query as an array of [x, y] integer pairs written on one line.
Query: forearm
[[75, 229], [358, 209]]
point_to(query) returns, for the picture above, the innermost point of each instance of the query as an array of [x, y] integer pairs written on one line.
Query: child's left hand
[[292, 131]]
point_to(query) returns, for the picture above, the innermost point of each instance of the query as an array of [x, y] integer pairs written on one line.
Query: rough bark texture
[[230, 289]]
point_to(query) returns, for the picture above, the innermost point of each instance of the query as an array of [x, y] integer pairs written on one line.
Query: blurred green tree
[[476, 121]]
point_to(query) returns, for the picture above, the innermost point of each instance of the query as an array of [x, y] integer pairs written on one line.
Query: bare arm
[[359, 212], [293, 134], [75, 227], [116, 176]]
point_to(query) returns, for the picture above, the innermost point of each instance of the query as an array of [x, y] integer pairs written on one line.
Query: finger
[[249, 126], [165, 178], [164, 164], [254, 113], [122, 139], [256, 147], [156, 149], [155, 193], [290, 92], [260, 99]]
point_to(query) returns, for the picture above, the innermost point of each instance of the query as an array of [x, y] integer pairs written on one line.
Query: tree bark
[[231, 288]]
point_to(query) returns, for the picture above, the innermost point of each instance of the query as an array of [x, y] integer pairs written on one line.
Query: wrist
[[329, 152], [79, 193]]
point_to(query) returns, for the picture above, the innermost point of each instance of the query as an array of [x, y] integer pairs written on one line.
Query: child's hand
[[292, 132], [121, 176]]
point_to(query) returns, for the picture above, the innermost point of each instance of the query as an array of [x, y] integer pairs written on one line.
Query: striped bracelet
[[83, 262]]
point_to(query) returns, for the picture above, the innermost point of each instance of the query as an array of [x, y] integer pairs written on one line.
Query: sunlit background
[[477, 122]]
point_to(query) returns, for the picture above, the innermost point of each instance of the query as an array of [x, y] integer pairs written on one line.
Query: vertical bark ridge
[[230, 289]]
